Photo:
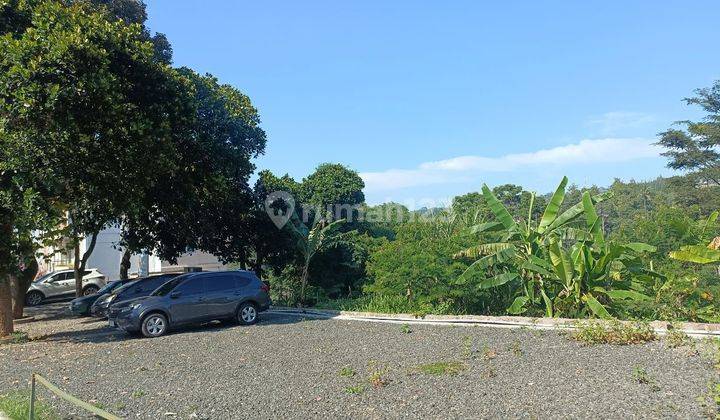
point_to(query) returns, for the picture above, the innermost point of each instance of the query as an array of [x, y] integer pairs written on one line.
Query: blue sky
[[428, 100]]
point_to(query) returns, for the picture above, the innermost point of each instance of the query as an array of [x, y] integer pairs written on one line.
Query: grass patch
[[442, 368], [615, 332], [405, 329], [347, 372], [355, 389], [139, 393], [641, 376], [16, 405], [378, 378], [17, 337]]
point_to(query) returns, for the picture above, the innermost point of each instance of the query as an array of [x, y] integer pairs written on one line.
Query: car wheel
[[90, 290], [34, 298], [154, 325], [247, 314]]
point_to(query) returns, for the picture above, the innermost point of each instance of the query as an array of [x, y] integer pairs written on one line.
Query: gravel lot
[[291, 367]]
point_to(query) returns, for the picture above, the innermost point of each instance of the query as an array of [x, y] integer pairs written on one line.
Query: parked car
[[62, 283], [81, 306], [134, 289], [194, 298]]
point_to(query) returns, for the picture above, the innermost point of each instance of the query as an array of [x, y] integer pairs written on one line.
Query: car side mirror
[[174, 295]]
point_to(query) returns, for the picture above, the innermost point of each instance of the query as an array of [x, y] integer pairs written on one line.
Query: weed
[[442, 368], [489, 373], [466, 347], [347, 372], [120, 406], [488, 353], [405, 329], [378, 378], [16, 405], [355, 390], [138, 393], [676, 338], [615, 332], [641, 376], [17, 337], [515, 348]]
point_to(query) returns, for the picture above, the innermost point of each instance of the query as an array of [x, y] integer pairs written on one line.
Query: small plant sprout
[[515, 348], [641, 376], [442, 368], [378, 376], [405, 329], [467, 347], [355, 389], [347, 372], [488, 353]]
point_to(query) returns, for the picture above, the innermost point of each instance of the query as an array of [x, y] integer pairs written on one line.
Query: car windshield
[[167, 287]]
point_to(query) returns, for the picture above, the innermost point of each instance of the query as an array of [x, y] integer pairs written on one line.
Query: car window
[[221, 282], [65, 276], [192, 286], [169, 286]]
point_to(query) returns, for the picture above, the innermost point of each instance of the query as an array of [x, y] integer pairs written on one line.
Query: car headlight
[[110, 298]]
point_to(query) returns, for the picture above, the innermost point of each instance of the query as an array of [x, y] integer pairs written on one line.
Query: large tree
[[86, 109], [696, 149]]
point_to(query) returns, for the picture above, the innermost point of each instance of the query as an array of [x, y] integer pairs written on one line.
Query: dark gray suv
[[194, 298]]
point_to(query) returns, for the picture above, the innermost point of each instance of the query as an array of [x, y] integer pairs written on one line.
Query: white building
[[107, 255]]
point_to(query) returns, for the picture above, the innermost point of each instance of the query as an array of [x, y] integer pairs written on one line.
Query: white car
[[62, 283]]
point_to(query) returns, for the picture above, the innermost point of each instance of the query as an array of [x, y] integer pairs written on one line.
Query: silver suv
[[62, 283]]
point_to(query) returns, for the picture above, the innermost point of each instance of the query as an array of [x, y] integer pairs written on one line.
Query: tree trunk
[[20, 285], [303, 283], [80, 263], [125, 264], [6, 312]]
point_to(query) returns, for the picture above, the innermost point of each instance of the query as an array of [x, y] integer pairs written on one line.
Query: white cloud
[[612, 122], [461, 169]]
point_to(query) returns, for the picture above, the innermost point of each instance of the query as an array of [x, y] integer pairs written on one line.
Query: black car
[[134, 289], [194, 298], [81, 306]]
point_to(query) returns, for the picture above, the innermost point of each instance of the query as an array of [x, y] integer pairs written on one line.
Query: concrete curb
[[693, 329], [24, 320]]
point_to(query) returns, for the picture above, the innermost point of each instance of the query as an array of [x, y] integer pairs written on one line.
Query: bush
[[594, 332]]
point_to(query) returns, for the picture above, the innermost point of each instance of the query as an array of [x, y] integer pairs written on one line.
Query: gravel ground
[[291, 367]]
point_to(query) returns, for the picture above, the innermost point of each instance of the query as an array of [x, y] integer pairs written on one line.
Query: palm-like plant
[[322, 234], [549, 273]]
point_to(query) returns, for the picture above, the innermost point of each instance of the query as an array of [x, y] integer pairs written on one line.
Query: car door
[[61, 284], [221, 294], [188, 301]]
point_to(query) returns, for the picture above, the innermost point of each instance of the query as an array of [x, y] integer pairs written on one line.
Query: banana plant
[[701, 254], [322, 234], [534, 256]]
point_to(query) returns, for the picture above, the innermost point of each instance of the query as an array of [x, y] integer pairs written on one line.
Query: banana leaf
[[573, 212], [596, 307], [696, 253], [592, 219], [486, 227], [483, 249], [518, 305], [499, 210], [640, 247], [553, 207], [561, 263], [498, 280]]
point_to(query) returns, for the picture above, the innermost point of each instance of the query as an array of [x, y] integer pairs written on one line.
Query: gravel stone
[[289, 367]]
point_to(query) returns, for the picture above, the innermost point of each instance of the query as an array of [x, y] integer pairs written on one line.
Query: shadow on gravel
[[95, 335], [49, 310]]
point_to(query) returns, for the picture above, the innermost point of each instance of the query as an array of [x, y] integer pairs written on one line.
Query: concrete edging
[[693, 329]]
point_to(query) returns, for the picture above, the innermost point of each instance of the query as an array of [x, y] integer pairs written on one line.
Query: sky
[[428, 100]]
